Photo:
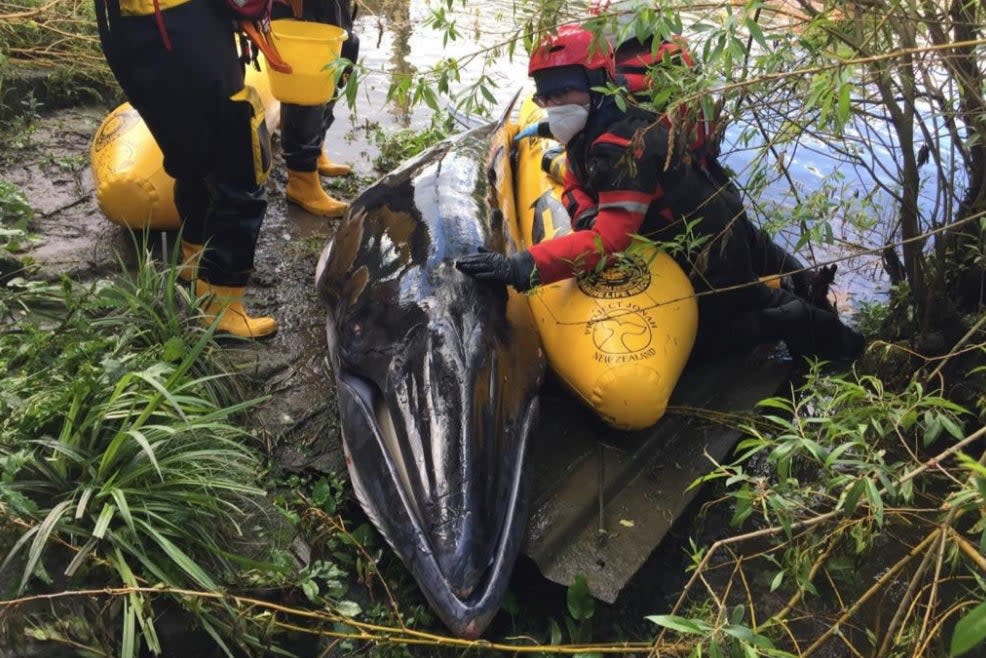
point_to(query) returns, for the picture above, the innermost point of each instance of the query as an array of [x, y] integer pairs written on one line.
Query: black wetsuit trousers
[[736, 309], [214, 144], [303, 127]]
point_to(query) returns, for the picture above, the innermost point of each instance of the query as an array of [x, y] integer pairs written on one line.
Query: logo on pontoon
[[116, 124], [621, 332], [626, 278]]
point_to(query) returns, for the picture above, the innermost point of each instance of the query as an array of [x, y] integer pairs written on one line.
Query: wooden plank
[[604, 499]]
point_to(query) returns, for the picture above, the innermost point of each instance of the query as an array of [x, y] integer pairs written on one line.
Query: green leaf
[[120, 499], [348, 608], [40, 539], [103, 522], [681, 624], [757, 33], [128, 642], [580, 603], [843, 109], [180, 558], [741, 633], [321, 494], [952, 428], [852, 496], [554, 633], [969, 632], [145, 445], [81, 556], [932, 430], [876, 502], [775, 403], [173, 349], [310, 590], [80, 508]]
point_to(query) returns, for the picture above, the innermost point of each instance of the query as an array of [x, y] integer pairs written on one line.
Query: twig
[[366, 632], [937, 459], [900, 612], [868, 594], [339, 526], [68, 205], [966, 547], [920, 649], [962, 341], [933, 596], [833, 539]]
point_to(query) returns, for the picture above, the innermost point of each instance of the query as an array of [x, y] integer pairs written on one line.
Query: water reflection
[[398, 44], [385, 27]]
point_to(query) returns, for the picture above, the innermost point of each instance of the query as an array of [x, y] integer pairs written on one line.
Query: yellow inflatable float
[[618, 338], [132, 187]]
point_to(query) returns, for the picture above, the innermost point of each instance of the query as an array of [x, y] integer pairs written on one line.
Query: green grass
[[124, 461]]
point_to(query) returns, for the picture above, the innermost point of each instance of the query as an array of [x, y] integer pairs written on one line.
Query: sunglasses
[[541, 100]]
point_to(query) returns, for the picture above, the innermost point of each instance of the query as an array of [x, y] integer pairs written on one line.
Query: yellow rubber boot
[[328, 168], [305, 189], [226, 303], [188, 266]]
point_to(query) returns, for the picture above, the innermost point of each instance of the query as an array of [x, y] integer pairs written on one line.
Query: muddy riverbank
[[71, 237]]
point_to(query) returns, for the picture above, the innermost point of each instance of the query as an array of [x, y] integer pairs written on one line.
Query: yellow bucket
[[309, 48]]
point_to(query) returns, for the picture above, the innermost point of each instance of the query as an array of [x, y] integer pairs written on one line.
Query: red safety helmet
[[572, 45]]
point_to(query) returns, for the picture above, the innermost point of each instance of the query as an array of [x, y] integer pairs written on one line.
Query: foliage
[[730, 639], [402, 145], [59, 38], [15, 290], [15, 211], [122, 459], [832, 479]]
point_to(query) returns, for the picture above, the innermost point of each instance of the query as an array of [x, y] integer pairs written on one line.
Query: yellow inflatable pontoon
[[618, 338], [132, 187]]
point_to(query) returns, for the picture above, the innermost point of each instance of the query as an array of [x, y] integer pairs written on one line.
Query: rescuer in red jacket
[[660, 197]]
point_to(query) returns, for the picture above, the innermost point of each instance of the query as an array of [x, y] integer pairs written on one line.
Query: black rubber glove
[[486, 265]]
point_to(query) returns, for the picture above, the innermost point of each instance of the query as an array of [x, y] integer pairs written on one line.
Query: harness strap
[[159, 19]]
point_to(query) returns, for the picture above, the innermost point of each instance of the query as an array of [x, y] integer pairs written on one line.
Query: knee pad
[[251, 151]]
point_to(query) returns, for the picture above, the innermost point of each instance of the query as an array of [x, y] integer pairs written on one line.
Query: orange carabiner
[[259, 33]]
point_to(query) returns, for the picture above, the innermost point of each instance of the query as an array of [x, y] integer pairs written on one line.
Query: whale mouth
[[382, 423], [459, 547]]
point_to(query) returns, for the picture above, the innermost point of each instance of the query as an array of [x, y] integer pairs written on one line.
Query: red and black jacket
[[621, 182]]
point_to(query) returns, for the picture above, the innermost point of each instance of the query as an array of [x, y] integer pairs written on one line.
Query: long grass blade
[[40, 540], [128, 641], [145, 445], [81, 556], [121, 502], [180, 558], [103, 522]]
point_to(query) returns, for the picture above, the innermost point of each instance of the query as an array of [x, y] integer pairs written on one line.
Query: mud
[[72, 238]]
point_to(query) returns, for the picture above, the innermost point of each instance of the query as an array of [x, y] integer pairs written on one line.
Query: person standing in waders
[[178, 65], [303, 127]]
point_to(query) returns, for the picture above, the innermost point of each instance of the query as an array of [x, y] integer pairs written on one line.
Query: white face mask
[[567, 121]]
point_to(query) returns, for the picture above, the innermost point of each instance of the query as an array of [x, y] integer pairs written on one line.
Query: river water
[[395, 40]]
